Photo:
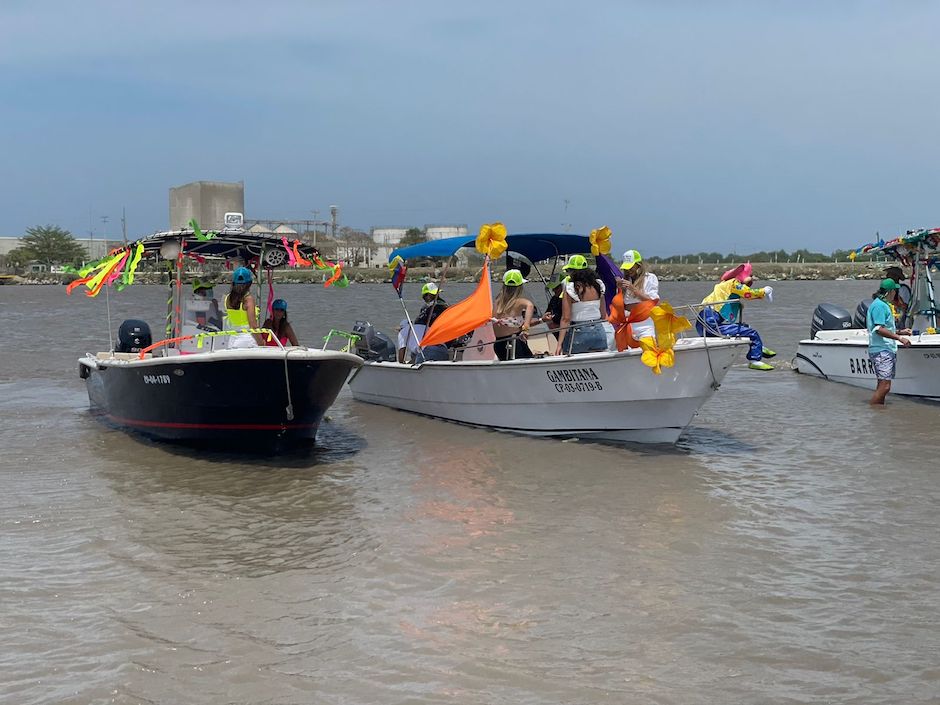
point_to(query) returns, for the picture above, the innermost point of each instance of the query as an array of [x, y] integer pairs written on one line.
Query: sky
[[684, 126]]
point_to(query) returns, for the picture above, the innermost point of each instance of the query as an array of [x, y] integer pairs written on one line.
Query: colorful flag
[[609, 272], [398, 276], [464, 316]]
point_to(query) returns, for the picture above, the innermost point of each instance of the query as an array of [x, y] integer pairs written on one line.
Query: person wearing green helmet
[[883, 339], [553, 310], [203, 306], [638, 285], [512, 316], [584, 326], [434, 306]]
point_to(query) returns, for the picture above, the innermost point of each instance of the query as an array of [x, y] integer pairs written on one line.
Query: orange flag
[[465, 316]]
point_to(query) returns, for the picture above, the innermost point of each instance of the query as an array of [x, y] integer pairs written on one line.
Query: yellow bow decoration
[[852, 256], [492, 240], [600, 241], [655, 357], [667, 325]]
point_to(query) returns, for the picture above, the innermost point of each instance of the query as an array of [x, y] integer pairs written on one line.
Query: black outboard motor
[[372, 344], [861, 314], [830, 317], [133, 336]]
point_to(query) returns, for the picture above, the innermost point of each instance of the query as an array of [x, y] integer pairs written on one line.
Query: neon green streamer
[[128, 277], [202, 237]]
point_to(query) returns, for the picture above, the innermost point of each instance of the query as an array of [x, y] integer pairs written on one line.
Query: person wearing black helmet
[[902, 297], [283, 330]]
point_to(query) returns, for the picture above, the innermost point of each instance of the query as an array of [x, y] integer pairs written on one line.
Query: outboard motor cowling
[[861, 314], [133, 336], [830, 317], [372, 344]]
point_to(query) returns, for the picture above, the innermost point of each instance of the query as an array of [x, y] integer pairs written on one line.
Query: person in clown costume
[[723, 311]]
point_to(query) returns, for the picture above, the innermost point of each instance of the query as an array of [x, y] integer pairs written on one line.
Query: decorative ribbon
[[291, 259]]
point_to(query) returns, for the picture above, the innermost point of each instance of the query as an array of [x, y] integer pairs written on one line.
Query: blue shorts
[[884, 362], [590, 338]]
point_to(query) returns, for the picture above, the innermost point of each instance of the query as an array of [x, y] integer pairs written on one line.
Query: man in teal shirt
[[883, 339]]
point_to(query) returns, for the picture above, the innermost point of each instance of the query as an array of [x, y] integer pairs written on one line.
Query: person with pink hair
[[723, 310]]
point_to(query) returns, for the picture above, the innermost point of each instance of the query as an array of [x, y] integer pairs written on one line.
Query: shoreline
[[763, 271]]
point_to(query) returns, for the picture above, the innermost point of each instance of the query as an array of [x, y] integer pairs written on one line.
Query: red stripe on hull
[[212, 426]]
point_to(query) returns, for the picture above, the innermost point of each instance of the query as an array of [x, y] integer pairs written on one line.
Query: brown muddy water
[[786, 551]]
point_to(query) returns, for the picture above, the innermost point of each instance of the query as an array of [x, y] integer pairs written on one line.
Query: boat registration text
[[574, 379]]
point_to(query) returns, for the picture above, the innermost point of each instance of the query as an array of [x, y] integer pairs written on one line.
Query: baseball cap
[[576, 262], [889, 284], [199, 285], [242, 275], [630, 258], [513, 277], [279, 305], [430, 288]]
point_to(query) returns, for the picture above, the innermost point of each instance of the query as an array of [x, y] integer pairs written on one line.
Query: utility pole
[[316, 218], [566, 225], [124, 223], [104, 232], [334, 212]]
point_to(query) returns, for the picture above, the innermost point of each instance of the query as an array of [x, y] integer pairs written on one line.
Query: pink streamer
[[117, 270], [292, 261]]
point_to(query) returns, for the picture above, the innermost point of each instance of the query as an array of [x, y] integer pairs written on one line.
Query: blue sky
[[684, 126]]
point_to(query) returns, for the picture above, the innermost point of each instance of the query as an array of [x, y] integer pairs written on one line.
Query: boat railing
[[351, 339], [512, 338], [200, 338], [694, 310]]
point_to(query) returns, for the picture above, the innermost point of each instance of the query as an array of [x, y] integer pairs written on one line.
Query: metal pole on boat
[[179, 289], [411, 326]]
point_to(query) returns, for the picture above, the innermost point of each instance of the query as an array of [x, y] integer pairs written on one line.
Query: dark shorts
[[884, 363]]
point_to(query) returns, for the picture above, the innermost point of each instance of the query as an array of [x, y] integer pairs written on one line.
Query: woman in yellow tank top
[[240, 311]]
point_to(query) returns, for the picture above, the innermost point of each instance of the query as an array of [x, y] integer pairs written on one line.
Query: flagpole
[[398, 290], [411, 326]]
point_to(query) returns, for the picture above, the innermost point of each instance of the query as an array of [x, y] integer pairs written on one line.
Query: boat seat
[[541, 340], [121, 356]]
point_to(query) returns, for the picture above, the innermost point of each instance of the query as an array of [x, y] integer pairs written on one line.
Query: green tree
[[49, 244], [413, 236]]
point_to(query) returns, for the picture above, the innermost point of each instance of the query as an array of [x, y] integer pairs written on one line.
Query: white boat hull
[[607, 396], [842, 356]]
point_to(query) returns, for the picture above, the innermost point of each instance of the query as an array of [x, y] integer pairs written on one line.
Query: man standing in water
[[883, 340]]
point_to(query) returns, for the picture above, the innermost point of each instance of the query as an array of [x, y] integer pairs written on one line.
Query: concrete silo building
[[207, 202]]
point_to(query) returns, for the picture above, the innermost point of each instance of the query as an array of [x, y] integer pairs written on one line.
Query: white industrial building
[[95, 246], [388, 239]]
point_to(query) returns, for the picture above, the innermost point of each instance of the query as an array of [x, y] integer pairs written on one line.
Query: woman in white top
[[638, 285], [583, 302]]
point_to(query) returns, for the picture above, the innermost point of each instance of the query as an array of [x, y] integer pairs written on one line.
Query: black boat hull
[[234, 402]]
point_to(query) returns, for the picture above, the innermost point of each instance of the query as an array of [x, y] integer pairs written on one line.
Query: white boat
[[842, 356], [837, 349], [606, 396], [610, 396]]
